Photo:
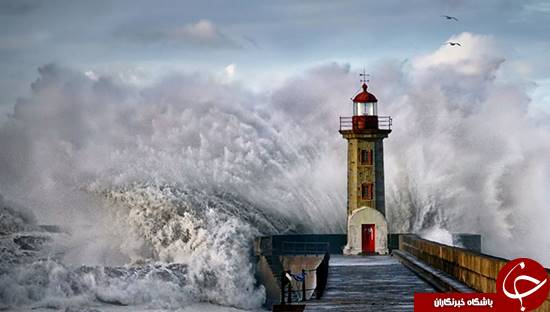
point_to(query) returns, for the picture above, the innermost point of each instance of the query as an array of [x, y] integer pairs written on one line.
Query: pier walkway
[[372, 283]]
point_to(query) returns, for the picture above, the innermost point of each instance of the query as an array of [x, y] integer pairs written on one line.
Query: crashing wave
[[188, 246]]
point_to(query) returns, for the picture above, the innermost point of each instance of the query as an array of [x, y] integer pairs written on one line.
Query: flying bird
[[454, 43], [452, 18]]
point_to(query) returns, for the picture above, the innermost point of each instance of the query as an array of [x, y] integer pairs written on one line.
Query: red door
[[367, 236]]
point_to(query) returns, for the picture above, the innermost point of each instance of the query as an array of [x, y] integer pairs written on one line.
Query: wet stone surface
[[373, 283]]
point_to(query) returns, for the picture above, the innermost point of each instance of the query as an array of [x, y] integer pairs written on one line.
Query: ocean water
[[182, 252]]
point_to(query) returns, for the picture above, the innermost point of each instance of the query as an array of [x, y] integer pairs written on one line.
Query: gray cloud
[[537, 7], [202, 33], [291, 34], [17, 7]]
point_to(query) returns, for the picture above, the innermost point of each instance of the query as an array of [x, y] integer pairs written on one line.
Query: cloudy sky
[[257, 42]]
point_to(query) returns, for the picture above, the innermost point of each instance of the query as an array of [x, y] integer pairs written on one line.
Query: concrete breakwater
[[296, 254], [476, 270]]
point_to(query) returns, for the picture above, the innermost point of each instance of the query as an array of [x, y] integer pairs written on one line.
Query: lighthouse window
[[366, 157], [366, 191]]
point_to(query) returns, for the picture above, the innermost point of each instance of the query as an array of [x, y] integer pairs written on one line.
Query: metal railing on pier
[[289, 295], [304, 248]]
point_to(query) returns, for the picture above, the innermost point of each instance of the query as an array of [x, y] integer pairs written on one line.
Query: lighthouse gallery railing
[[384, 123]]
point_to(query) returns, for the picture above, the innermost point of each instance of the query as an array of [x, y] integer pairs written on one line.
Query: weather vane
[[364, 76]]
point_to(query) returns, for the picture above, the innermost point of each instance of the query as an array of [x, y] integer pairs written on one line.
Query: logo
[[523, 284]]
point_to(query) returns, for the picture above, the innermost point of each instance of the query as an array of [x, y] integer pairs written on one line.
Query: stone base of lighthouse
[[358, 222]]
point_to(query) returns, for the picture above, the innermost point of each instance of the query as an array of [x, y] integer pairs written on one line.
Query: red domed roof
[[365, 97]]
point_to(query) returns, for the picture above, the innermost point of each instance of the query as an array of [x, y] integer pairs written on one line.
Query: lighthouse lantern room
[[366, 214]]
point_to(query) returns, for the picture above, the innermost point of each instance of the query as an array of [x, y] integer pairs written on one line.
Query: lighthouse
[[365, 131]]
